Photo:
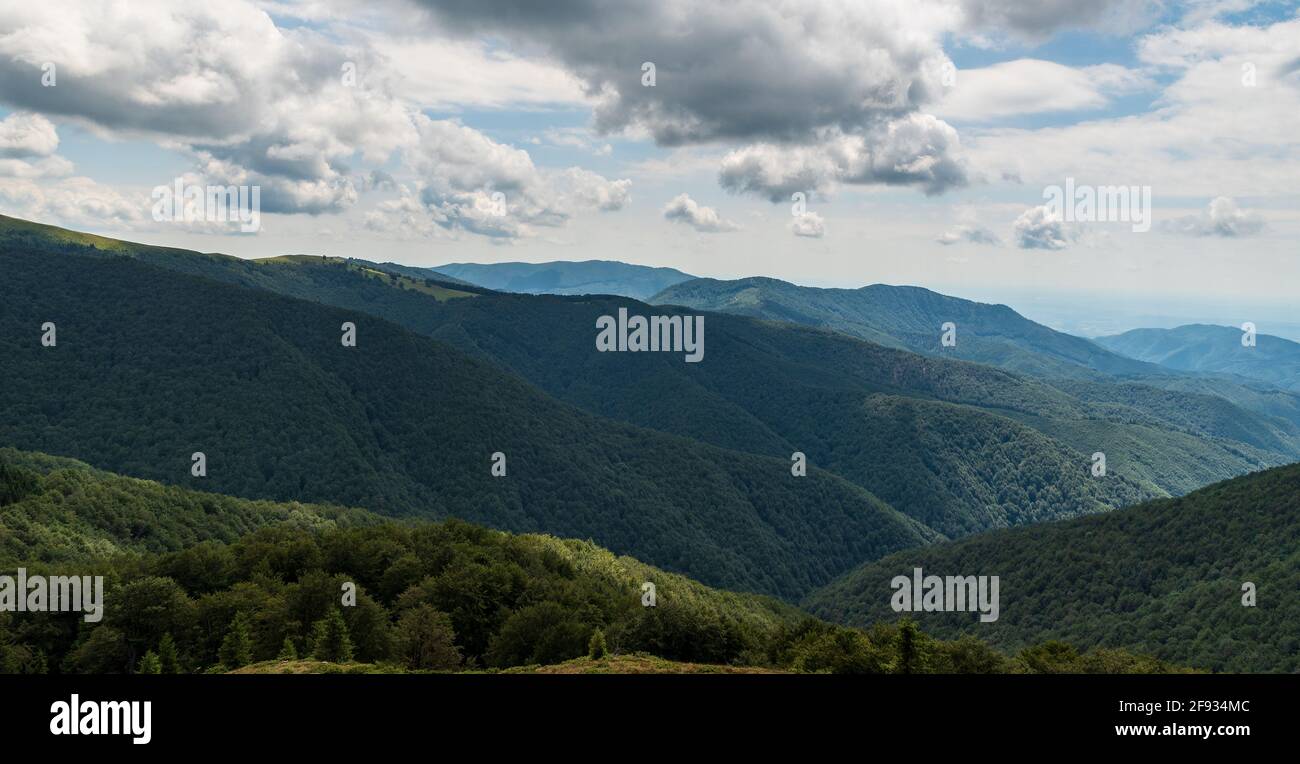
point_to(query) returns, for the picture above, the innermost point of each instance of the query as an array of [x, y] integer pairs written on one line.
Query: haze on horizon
[[923, 136]]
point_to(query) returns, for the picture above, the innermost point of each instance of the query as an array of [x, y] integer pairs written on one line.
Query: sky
[[824, 142]]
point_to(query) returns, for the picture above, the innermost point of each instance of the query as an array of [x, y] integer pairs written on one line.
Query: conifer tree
[[330, 639], [237, 648], [149, 664], [168, 660], [596, 647]]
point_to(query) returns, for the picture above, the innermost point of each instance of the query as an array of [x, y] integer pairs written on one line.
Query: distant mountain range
[[911, 318], [1213, 350], [163, 352], [883, 419], [561, 277]]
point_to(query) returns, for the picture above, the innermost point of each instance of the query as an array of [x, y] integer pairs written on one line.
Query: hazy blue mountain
[[1213, 350], [562, 277], [911, 317]]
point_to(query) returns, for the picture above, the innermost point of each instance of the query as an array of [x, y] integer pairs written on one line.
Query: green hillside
[[1162, 578], [152, 366], [767, 390], [57, 510], [196, 582], [773, 389]]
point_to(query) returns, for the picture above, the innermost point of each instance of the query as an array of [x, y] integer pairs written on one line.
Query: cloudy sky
[[920, 135]]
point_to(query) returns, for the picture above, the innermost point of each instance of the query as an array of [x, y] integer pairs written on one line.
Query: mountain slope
[[1214, 350], [508, 600], [910, 317], [765, 389], [1164, 578], [152, 365], [772, 389], [561, 277], [187, 566], [56, 510]]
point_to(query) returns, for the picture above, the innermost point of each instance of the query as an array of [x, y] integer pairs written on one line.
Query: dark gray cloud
[[737, 71], [915, 150], [821, 92], [1038, 19]]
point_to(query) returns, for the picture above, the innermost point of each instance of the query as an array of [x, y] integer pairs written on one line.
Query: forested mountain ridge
[[910, 317], [772, 391], [1166, 578], [198, 582], [56, 510], [152, 366], [813, 397]]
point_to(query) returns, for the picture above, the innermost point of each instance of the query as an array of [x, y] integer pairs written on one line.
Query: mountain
[[561, 277], [56, 510], [820, 393], [204, 582], [879, 417], [1163, 578], [911, 318], [1169, 429], [152, 366], [1213, 350]]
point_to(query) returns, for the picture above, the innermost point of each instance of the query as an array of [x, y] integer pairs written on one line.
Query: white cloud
[[27, 135], [1210, 132], [684, 209], [45, 167], [1037, 228], [467, 181], [76, 202], [969, 233], [291, 108], [1222, 218], [809, 225], [1033, 86]]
